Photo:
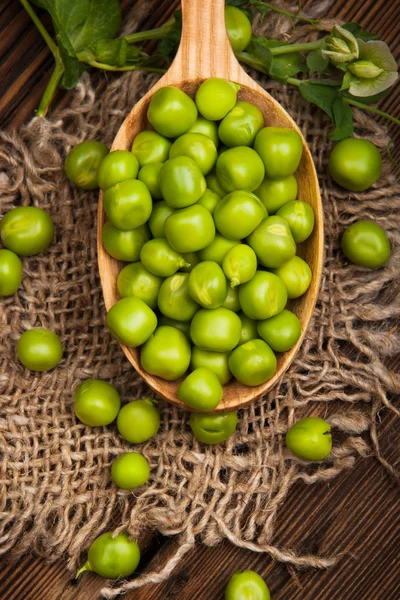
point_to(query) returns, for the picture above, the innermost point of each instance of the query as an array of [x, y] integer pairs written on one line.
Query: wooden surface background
[[356, 514]]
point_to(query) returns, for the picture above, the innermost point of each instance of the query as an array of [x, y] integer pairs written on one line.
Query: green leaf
[[343, 119], [168, 46], [114, 52], [359, 32], [280, 66], [322, 95], [316, 63], [260, 6]]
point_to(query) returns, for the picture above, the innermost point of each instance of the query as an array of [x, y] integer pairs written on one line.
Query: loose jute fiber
[[56, 495]]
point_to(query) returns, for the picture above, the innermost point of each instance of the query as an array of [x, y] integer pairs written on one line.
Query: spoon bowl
[[205, 52]]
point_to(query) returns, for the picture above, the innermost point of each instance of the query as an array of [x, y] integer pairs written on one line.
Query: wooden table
[[356, 514]]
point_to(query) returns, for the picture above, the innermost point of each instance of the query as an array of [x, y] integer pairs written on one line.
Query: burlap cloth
[[56, 495]]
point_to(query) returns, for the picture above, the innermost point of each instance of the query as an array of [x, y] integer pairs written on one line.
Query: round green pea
[[159, 258], [166, 353], [246, 585], [174, 300], [300, 217], [138, 421], [82, 163], [232, 299], [216, 329], [201, 390], [10, 272], [159, 215], [216, 97], [150, 147], [131, 321], [198, 147], [183, 326], [275, 193], [263, 296], [281, 332], [209, 200], [296, 276], [249, 329], [207, 284], [240, 168], [117, 166], [238, 214], [213, 429], [128, 204], [273, 243], [238, 28], [130, 470], [252, 363], [280, 150], [96, 402], [241, 125], [366, 244], [112, 557], [39, 349], [214, 184], [310, 439], [217, 362], [171, 112], [149, 174], [26, 230], [181, 182], [206, 127], [217, 250], [190, 229], [124, 245], [136, 280], [239, 264], [355, 164]]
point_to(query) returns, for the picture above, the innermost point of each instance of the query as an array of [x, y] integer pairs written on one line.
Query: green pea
[[174, 300], [112, 557], [209, 200], [136, 280], [213, 429], [117, 166], [232, 299], [166, 353], [96, 402], [281, 332], [138, 421], [130, 470], [252, 363], [275, 193], [238, 214], [355, 164], [249, 329], [190, 229], [82, 163], [206, 127], [246, 585], [183, 326], [240, 168], [366, 244], [159, 215], [198, 147], [191, 259], [124, 245], [201, 390], [216, 97], [263, 296], [26, 230], [181, 182], [296, 275], [149, 174], [207, 284], [10, 273], [171, 112], [131, 321], [128, 204], [273, 242], [217, 250], [216, 329], [39, 349], [214, 185], [238, 28], [310, 439], [300, 217], [159, 258], [217, 362], [280, 149], [150, 147], [239, 264], [241, 125]]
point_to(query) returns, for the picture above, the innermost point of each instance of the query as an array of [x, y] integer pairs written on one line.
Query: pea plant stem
[[376, 111], [152, 34], [297, 47], [105, 67], [50, 89], [45, 34], [289, 14]]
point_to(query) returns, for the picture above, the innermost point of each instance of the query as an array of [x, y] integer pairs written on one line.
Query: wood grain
[[205, 52], [356, 513]]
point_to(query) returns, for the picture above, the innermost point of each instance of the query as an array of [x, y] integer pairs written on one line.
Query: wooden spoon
[[205, 52]]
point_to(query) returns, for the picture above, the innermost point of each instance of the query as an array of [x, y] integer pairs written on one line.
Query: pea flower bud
[[341, 46], [364, 69]]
